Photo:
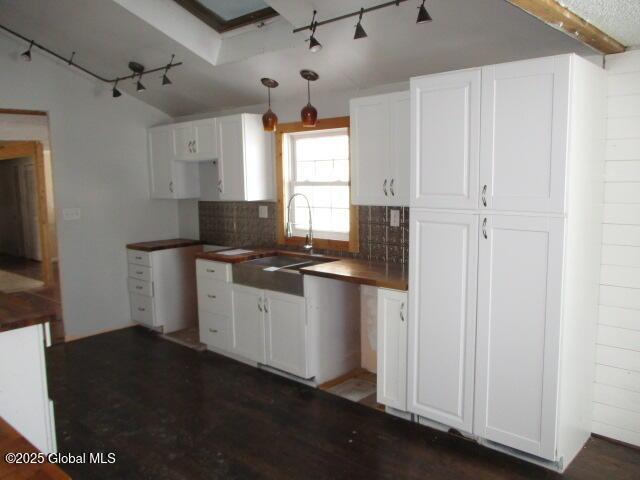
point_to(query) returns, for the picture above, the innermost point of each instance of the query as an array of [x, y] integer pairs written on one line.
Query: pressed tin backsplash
[[237, 224]]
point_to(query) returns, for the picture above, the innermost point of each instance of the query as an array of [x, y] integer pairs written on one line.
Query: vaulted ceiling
[[224, 71]]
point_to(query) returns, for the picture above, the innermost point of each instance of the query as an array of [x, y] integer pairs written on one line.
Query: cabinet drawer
[[214, 270], [142, 309], [139, 272], [140, 287], [215, 330], [139, 258], [214, 295]]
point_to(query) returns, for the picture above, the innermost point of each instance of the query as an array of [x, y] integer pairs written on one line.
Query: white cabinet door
[[248, 323], [205, 139], [400, 158], [161, 162], [519, 285], [231, 164], [184, 144], [442, 316], [524, 134], [445, 140], [369, 129], [286, 333], [392, 348]]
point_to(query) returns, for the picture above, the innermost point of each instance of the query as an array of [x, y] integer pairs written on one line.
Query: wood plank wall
[[616, 406]]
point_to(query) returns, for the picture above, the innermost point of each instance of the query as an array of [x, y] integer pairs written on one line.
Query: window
[[315, 163], [223, 15]]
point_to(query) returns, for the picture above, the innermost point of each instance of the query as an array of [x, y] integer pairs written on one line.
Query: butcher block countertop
[[12, 442], [362, 272], [163, 244], [19, 310]]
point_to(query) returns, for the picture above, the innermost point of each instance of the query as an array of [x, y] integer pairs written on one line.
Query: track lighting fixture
[[423, 15], [314, 44], [26, 55], [309, 114], [115, 92], [137, 70], [360, 33], [165, 79], [269, 119]]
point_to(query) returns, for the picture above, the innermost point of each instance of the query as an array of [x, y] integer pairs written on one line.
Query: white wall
[[617, 384], [99, 156], [329, 105]]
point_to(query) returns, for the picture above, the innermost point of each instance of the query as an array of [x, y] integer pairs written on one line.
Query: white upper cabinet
[[169, 179], [196, 141], [519, 311], [442, 309], [445, 139], [380, 149], [524, 135], [245, 163], [392, 348]]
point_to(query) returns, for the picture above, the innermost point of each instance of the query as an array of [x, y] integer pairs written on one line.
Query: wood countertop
[[12, 442], [163, 244], [244, 257], [19, 310], [362, 272]]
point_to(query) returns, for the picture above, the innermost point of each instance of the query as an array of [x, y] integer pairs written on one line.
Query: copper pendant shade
[[269, 119], [309, 114]]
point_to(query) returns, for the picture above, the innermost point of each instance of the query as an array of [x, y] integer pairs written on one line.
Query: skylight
[[225, 15]]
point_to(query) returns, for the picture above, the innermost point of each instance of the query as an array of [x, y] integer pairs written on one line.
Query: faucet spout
[[308, 245]]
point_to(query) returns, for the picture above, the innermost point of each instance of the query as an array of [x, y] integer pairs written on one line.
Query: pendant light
[[423, 15], [269, 119], [360, 33], [309, 114], [26, 55]]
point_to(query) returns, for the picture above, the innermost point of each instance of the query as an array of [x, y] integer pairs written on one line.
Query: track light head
[[139, 86], [360, 33], [26, 55], [166, 80], [314, 45], [115, 92], [423, 15]]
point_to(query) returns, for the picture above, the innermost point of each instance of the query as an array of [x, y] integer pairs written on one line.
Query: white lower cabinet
[[247, 339], [442, 307], [392, 348], [286, 333], [519, 301]]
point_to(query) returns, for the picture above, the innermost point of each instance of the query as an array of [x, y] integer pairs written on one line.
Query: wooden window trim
[[218, 23], [353, 245]]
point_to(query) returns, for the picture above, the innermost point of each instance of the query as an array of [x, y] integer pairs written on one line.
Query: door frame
[[10, 150]]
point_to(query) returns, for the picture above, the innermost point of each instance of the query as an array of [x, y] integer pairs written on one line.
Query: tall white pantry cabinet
[[506, 207]]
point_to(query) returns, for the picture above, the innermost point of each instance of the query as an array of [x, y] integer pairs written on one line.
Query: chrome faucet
[[308, 244]]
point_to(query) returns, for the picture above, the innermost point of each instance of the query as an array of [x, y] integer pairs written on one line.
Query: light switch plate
[[263, 211], [71, 213], [394, 220]]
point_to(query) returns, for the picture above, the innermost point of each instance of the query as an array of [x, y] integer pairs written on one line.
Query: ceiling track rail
[[69, 61], [348, 15]]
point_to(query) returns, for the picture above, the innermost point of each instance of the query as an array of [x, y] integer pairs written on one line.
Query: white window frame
[[289, 164]]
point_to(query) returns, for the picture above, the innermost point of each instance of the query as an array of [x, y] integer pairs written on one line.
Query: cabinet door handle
[[138, 258], [265, 303], [138, 272], [484, 196], [402, 311], [393, 194], [384, 188], [220, 186], [259, 304], [211, 296], [171, 187], [138, 287], [210, 270], [213, 330], [141, 309], [484, 228]]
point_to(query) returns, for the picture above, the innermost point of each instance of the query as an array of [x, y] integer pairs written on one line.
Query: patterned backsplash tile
[[237, 224]]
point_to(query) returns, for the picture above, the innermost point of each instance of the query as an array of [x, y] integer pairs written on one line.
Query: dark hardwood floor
[[169, 412], [21, 266]]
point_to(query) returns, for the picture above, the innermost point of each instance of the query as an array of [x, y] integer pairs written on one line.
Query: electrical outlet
[[71, 213], [394, 220], [263, 211]]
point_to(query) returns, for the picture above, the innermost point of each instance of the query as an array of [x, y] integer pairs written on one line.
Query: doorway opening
[[28, 241]]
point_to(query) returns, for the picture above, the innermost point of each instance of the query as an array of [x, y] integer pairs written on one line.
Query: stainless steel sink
[[280, 273]]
